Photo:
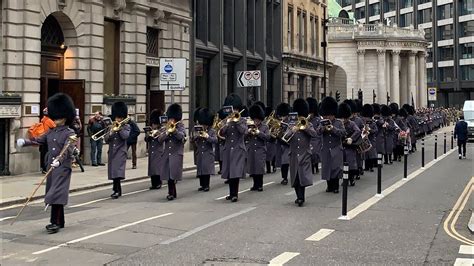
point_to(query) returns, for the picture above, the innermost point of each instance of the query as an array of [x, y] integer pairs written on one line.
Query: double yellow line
[[450, 222]]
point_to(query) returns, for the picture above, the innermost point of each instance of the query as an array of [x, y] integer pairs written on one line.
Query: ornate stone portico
[[378, 59]]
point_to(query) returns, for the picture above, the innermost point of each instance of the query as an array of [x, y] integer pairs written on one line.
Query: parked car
[[468, 111]]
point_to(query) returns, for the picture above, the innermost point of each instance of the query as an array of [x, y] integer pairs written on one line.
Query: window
[[201, 20], [269, 28], [317, 26], [446, 74], [424, 16], [429, 74], [446, 32], [152, 48], [201, 75], [428, 34], [466, 7], [251, 25], [446, 53], [303, 32], [445, 11], [406, 3], [466, 29], [430, 55], [290, 28], [391, 20], [423, 1], [467, 50], [313, 34], [344, 3], [389, 5], [360, 12], [111, 57], [228, 22], [374, 9], [300, 30], [467, 72], [406, 20]]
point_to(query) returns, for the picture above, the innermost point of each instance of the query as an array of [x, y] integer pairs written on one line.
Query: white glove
[[55, 164], [349, 141], [20, 142]]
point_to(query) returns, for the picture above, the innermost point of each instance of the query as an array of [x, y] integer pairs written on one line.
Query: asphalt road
[[406, 226]]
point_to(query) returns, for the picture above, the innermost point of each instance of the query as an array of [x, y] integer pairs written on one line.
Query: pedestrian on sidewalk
[[460, 133], [132, 141], [61, 111], [46, 124], [117, 140], [96, 123], [155, 149]]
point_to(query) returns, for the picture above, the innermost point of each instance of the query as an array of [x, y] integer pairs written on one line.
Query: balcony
[[341, 29]]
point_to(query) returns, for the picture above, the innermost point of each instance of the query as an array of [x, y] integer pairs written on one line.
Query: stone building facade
[[97, 51], [302, 52], [388, 62]]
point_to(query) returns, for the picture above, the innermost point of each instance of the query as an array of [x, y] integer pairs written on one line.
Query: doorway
[[4, 151], [155, 98]]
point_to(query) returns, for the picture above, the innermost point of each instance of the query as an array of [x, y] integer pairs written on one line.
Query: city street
[[420, 220]]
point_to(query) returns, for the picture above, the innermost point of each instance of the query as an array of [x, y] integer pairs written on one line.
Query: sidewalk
[[16, 189]]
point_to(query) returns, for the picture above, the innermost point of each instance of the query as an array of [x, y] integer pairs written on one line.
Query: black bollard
[[436, 148], [452, 140], [345, 179], [379, 174], [444, 149], [423, 152], [405, 162]]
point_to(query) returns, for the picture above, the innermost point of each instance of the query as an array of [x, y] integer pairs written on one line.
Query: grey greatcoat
[[300, 156], [218, 149], [350, 151], [205, 153], [234, 152], [400, 121], [381, 135], [155, 152], [331, 150], [173, 153], [271, 149], [117, 152], [256, 150], [373, 133], [360, 124], [315, 141], [390, 135], [414, 128], [57, 183]]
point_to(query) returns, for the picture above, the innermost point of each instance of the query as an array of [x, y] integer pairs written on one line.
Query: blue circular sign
[[168, 68]]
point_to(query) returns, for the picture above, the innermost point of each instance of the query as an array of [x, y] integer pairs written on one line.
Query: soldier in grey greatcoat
[[282, 148], [301, 172], [380, 136], [271, 147], [401, 126], [371, 155], [117, 140], [234, 152], [219, 146], [332, 132], [173, 140], [412, 123], [356, 107], [315, 141], [257, 138], [155, 150], [204, 138], [61, 110], [350, 141], [390, 130]]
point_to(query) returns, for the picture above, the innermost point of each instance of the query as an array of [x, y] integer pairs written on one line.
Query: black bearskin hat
[[119, 109], [61, 106], [174, 112], [376, 107], [385, 110], [221, 114], [196, 114], [367, 110], [245, 112], [411, 110], [328, 106], [313, 105], [358, 106], [268, 110], [406, 107], [261, 104], [344, 111], [234, 100], [403, 113], [394, 108], [352, 104], [256, 112], [283, 109], [155, 116], [205, 117], [301, 107]]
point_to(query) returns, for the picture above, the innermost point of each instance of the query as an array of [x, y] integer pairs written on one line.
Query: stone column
[[360, 69], [411, 77], [423, 98], [381, 89], [395, 93]]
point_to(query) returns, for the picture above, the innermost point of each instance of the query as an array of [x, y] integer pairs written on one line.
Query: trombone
[[301, 124], [114, 127], [233, 117]]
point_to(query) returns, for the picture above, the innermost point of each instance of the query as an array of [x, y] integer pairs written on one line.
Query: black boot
[[269, 167]]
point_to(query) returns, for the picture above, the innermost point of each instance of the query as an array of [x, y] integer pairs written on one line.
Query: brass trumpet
[[252, 127], [301, 124], [232, 117], [114, 127]]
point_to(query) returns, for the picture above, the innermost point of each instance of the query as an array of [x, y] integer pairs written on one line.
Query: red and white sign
[[249, 79]]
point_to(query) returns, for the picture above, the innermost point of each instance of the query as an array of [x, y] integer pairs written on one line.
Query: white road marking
[[283, 258], [101, 233], [466, 249], [312, 186], [321, 234], [245, 190], [203, 227], [464, 262], [7, 218], [371, 201]]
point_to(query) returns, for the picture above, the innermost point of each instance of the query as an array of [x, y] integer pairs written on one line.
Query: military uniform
[[256, 155]]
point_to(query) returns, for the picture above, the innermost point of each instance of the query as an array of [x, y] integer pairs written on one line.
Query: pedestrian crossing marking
[[466, 249], [321, 234], [464, 262], [283, 258]]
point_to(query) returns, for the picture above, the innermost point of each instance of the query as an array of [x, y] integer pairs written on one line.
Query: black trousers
[[172, 188], [155, 181], [462, 147], [57, 214], [299, 190], [257, 181], [333, 184], [284, 171], [220, 166], [204, 181], [117, 186], [43, 151], [234, 187]]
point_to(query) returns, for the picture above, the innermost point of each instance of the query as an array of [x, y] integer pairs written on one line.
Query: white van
[[468, 111]]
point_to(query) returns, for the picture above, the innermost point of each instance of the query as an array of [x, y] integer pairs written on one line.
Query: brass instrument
[[114, 127], [169, 128], [252, 127], [301, 124], [232, 117], [200, 132], [269, 118]]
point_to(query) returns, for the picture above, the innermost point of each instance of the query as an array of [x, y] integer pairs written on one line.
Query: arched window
[[51, 33]]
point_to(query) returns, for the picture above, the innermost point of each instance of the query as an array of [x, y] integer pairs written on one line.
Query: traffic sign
[[249, 79], [432, 94], [173, 74]]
